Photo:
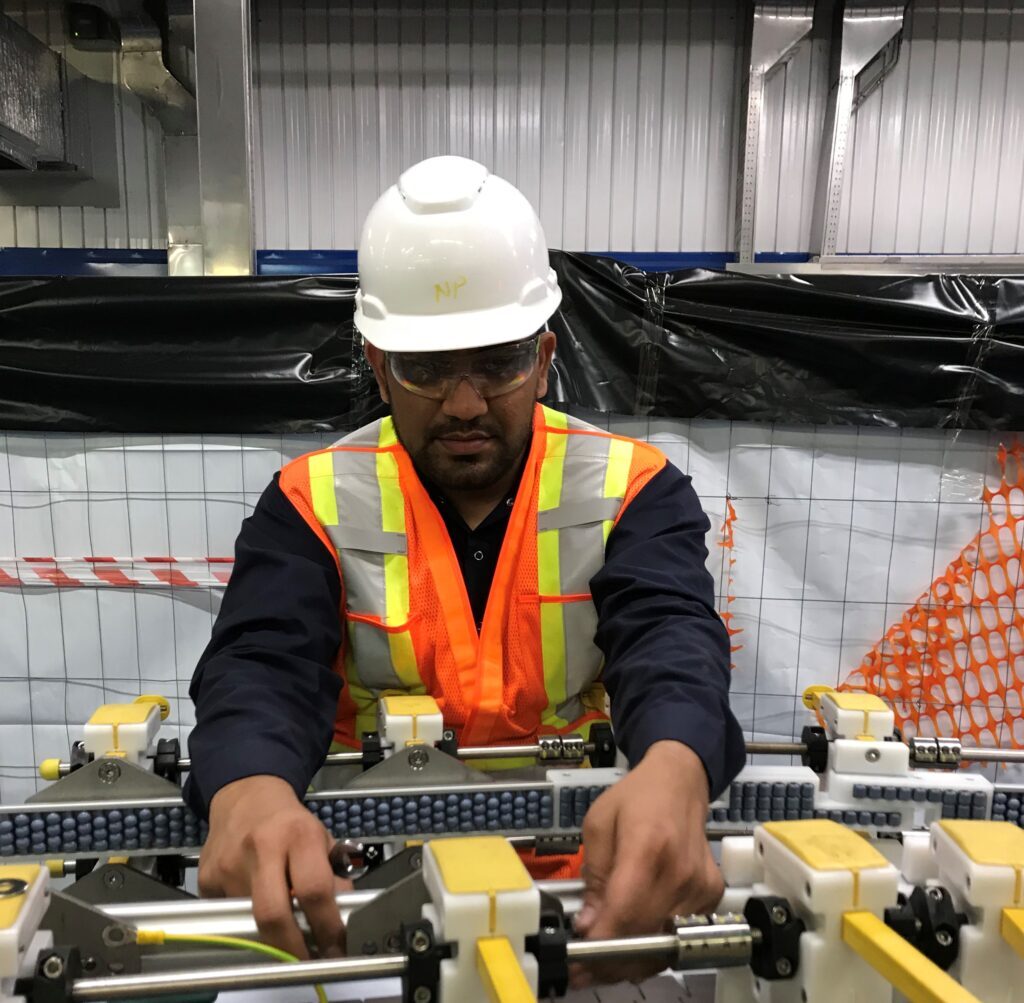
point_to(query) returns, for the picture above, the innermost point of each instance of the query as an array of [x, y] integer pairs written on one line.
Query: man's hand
[[646, 857], [263, 843]]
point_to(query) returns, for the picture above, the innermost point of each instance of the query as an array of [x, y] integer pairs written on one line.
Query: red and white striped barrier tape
[[115, 572]]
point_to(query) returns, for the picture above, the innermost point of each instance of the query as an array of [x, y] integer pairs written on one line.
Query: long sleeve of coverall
[[266, 692]]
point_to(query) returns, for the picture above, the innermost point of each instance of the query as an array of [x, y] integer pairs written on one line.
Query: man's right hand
[[265, 844]]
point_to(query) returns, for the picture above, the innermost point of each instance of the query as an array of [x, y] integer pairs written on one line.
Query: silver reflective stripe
[[359, 509], [362, 538], [583, 659], [371, 653], [368, 435], [582, 512], [580, 557]]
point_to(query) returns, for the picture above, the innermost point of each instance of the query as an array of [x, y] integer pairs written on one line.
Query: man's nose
[[464, 402]]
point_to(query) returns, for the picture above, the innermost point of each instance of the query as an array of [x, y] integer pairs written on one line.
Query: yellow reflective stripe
[[388, 436], [321, 488], [616, 477], [549, 578], [550, 493], [396, 566]]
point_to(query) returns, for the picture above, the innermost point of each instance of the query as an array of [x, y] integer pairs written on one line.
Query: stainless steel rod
[[599, 950], [975, 754], [233, 917], [776, 748], [266, 976]]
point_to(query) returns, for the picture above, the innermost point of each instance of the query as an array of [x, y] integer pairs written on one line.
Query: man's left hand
[[646, 856]]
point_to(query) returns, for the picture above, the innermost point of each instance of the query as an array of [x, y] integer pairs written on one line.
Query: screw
[[416, 861], [784, 967], [53, 967], [392, 944], [113, 879], [779, 915], [944, 938], [550, 930], [369, 947], [422, 995], [88, 964], [872, 755], [115, 967], [418, 758], [935, 893], [420, 942], [114, 936], [109, 772]]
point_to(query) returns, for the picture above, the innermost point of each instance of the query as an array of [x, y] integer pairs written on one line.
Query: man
[[478, 547]]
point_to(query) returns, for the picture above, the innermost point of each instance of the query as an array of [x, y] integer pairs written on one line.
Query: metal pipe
[[266, 976], [776, 748], [233, 917], [975, 754], [700, 945]]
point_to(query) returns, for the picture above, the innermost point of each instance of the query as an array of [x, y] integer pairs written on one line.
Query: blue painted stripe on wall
[[102, 261]]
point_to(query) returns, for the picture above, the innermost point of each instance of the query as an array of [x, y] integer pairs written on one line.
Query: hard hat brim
[[460, 331]]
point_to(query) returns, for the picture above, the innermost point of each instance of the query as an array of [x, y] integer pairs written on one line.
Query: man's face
[[464, 441]]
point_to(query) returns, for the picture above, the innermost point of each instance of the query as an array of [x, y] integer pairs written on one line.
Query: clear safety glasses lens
[[491, 371]]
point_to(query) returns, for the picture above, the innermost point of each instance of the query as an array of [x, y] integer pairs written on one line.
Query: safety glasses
[[490, 371]]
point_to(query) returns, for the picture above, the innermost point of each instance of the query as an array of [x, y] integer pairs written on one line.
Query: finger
[[272, 905], [599, 832], [637, 898], [312, 881]]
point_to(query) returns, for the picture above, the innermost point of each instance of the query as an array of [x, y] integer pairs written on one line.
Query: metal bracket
[[777, 30], [376, 928], [863, 30], [106, 946], [418, 766], [106, 779], [112, 883]]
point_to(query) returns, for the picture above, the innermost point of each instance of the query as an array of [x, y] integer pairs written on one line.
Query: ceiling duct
[[32, 135]]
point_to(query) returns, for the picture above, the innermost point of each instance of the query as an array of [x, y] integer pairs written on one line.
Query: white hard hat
[[452, 257]]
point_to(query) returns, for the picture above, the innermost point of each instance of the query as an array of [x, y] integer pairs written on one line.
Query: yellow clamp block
[[902, 966], [1012, 929], [49, 769], [11, 903], [500, 972]]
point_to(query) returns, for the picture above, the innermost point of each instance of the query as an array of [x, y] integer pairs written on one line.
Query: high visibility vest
[[533, 668]]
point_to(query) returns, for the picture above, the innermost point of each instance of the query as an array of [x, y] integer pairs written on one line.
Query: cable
[[239, 943]]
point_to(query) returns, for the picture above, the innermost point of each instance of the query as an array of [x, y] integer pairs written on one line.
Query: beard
[[475, 472]]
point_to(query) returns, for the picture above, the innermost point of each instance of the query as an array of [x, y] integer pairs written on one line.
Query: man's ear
[[377, 360], [545, 353]]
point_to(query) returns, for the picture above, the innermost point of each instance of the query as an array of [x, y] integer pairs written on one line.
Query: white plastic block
[[20, 916], [409, 720], [127, 731], [852, 715], [739, 861], [875, 758]]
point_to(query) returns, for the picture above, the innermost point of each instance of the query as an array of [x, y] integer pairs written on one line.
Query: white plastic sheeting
[[837, 532]]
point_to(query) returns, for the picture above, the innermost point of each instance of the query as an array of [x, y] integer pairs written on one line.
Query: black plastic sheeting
[[281, 354]]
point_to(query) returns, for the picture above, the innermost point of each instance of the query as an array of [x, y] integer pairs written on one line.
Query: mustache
[[464, 428]]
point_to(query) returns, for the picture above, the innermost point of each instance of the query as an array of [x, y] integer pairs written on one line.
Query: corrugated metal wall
[[616, 119], [937, 152], [138, 221]]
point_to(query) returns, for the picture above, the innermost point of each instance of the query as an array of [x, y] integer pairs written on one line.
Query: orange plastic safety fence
[[726, 543], [954, 664]]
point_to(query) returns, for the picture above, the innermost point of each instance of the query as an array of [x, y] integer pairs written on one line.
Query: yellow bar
[[500, 972], [901, 965], [1013, 930], [321, 488]]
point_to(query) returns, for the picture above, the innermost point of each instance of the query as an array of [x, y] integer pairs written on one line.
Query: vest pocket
[[382, 657]]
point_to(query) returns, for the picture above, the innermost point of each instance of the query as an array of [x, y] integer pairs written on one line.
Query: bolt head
[[935, 893], [784, 967], [780, 916], [944, 938], [418, 758], [109, 772], [420, 942], [872, 755], [53, 967], [422, 995]]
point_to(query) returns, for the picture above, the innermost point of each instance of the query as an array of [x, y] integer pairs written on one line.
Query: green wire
[[243, 945]]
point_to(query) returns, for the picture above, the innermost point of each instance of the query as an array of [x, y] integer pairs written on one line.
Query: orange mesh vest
[[534, 667]]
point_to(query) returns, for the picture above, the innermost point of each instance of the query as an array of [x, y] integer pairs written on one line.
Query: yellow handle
[[500, 972], [902, 966], [162, 702], [813, 694], [49, 769]]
